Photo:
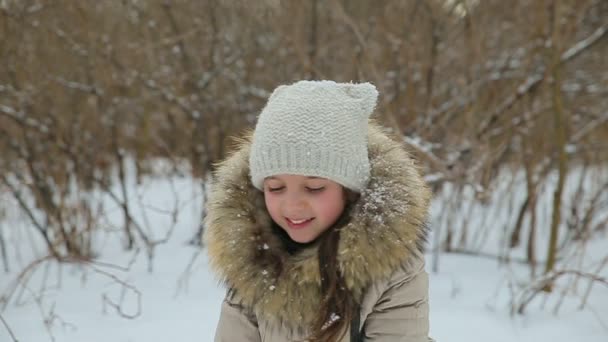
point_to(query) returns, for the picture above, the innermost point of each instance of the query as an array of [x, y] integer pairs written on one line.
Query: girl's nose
[[294, 203]]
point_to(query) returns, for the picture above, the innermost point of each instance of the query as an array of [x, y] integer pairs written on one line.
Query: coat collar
[[387, 231]]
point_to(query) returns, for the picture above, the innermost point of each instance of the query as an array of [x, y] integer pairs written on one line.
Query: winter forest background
[[112, 114]]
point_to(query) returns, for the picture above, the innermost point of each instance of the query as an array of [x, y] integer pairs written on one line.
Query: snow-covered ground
[[179, 300]]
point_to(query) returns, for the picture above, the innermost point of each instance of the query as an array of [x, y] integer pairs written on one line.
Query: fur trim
[[387, 231]]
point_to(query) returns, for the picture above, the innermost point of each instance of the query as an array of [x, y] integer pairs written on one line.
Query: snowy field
[[118, 299]]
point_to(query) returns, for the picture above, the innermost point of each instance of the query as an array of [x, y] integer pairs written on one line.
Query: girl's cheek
[[271, 203]]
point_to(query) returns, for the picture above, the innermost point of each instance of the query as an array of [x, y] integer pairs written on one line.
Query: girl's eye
[[275, 189], [315, 189]]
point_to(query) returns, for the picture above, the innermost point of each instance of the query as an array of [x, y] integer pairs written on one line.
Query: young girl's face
[[303, 206]]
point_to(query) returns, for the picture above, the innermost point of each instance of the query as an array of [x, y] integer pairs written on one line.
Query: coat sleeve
[[401, 312], [236, 323]]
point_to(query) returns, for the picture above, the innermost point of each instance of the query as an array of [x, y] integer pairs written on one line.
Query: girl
[[316, 224]]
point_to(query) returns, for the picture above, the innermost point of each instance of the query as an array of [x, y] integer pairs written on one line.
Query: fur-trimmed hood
[[387, 231]]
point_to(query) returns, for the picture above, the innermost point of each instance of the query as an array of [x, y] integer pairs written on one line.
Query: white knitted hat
[[314, 128]]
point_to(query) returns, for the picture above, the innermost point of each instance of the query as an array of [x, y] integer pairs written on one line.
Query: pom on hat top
[[314, 128]]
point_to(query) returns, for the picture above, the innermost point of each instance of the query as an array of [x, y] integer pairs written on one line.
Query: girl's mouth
[[297, 224]]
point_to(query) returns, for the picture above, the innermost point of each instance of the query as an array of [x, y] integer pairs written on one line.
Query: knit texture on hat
[[315, 128]]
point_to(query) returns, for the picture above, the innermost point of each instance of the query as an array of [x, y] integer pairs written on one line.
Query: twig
[[577, 48], [3, 250], [182, 282], [22, 118], [125, 286], [53, 317], [10, 332], [27, 271], [588, 291], [578, 255], [490, 256], [47, 322], [550, 278], [30, 214], [532, 82], [598, 317], [174, 214], [144, 216], [128, 217], [105, 264]]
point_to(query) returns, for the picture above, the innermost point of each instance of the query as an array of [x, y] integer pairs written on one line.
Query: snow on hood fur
[[387, 231]]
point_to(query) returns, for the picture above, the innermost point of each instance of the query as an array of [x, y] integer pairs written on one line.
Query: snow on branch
[[536, 79], [78, 86], [423, 149], [577, 48], [21, 118], [590, 127]]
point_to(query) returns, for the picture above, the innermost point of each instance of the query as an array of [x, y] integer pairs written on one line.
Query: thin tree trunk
[[197, 239], [118, 153], [530, 248], [531, 202], [42, 228], [313, 42], [560, 139], [3, 251], [515, 235]]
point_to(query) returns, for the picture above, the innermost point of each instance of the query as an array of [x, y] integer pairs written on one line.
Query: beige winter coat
[[379, 254]]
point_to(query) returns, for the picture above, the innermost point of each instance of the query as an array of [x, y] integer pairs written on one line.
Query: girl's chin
[[302, 239]]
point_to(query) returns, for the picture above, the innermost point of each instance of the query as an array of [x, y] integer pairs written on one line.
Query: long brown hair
[[337, 302]]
